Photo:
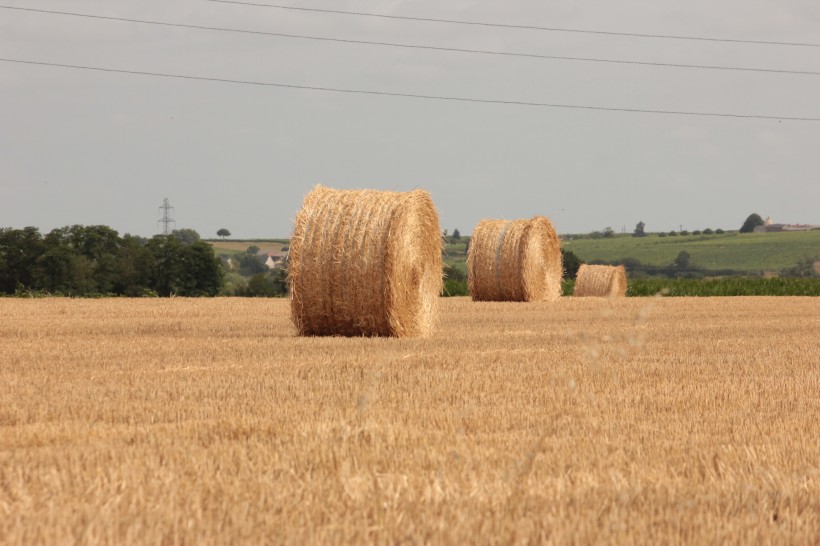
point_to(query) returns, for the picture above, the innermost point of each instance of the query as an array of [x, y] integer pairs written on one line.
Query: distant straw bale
[[515, 260], [365, 263], [600, 281]]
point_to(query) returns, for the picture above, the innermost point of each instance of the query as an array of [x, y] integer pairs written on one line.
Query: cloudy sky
[[90, 147]]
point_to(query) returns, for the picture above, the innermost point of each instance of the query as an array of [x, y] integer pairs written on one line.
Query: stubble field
[[206, 421]]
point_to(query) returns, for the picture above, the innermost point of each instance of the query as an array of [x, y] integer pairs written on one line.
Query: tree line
[[95, 260], [751, 222]]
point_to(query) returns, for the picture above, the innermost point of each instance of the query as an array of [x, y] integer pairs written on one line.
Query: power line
[[520, 26], [411, 95], [419, 46]]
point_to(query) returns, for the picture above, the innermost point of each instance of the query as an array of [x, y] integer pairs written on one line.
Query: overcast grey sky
[[80, 147]]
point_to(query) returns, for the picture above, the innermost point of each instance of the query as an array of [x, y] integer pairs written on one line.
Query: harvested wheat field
[[208, 421]]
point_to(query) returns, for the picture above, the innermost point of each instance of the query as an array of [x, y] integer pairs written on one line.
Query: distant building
[[276, 259], [770, 227]]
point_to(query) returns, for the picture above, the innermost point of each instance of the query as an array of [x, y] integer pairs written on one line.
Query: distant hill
[[751, 253], [746, 253], [233, 246]]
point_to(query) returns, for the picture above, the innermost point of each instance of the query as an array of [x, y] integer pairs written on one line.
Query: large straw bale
[[365, 263], [605, 281], [515, 260]]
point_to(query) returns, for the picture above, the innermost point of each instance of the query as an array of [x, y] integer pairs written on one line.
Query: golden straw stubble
[[365, 263], [191, 421], [606, 281], [515, 260]]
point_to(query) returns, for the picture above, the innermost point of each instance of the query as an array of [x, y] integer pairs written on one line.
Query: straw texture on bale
[[606, 281], [365, 263], [515, 260]]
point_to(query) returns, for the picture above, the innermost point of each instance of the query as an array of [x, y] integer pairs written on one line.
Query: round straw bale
[[514, 260], [606, 281], [365, 263]]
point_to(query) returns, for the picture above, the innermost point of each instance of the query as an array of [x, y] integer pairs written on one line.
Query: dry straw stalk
[[365, 263], [600, 281], [515, 260]]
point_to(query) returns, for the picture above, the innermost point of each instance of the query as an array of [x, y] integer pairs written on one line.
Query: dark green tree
[[279, 278], [250, 264], [87, 260], [223, 233], [631, 264], [19, 250], [456, 234], [202, 271], [751, 223], [184, 270], [259, 286], [166, 273], [639, 230], [134, 268], [263, 285], [253, 249], [84, 282], [571, 264], [99, 246], [56, 270], [186, 235], [75, 260]]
